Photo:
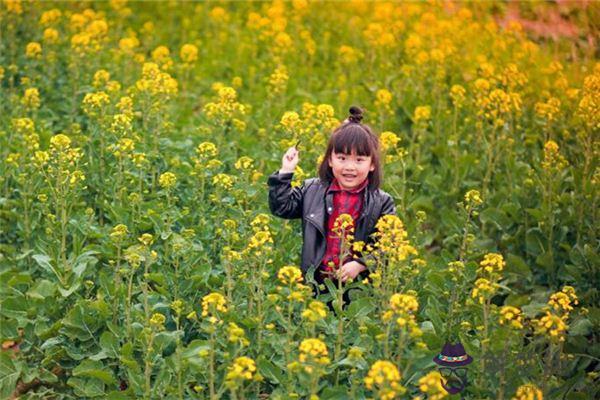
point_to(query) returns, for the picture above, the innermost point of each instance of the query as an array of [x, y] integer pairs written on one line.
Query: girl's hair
[[350, 136]]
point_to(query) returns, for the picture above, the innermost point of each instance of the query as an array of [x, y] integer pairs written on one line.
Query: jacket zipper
[[324, 237]]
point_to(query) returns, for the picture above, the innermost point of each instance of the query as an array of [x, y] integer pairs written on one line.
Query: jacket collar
[[336, 187]]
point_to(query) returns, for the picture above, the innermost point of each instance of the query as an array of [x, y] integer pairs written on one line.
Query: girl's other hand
[[350, 270], [289, 161]]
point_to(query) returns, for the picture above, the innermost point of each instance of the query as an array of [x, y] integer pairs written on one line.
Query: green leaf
[[9, 375], [360, 307], [269, 371], [44, 261], [517, 265], [95, 369], [42, 289], [494, 217], [334, 393], [86, 387], [581, 328], [534, 241]]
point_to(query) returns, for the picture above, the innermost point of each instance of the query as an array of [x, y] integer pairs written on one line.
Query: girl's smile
[[350, 170]]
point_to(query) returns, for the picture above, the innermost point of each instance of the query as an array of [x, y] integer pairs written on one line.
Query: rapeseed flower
[[431, 385], [511, 316], [384, 379], [528, 391]]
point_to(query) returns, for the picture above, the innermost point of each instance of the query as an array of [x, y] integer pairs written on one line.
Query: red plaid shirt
[[344, 202]]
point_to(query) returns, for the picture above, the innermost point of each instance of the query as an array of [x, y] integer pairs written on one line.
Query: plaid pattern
[[344, 202]]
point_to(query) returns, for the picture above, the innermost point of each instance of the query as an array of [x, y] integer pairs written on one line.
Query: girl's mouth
[[347, 176]]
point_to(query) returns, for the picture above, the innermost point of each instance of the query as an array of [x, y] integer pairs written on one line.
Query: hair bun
[[356, 114]]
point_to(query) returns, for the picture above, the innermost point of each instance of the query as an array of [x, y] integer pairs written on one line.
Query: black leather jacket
[[313, 204]]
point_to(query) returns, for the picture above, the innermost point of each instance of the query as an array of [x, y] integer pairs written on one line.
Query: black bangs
[[352, 137]]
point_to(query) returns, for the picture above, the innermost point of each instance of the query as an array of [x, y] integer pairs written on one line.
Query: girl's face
[[350, 170]]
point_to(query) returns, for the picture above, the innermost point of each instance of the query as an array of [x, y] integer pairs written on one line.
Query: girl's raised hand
[[289, 161]]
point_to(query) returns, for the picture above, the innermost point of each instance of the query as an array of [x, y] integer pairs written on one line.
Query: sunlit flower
[[431, 385], [511, 316], [383, 378], [528, 392]]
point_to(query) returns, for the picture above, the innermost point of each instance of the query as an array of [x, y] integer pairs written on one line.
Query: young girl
[[348, 183]]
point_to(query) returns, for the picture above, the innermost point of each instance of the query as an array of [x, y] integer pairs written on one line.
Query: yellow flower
[[431, 385], [290, 121], [50, 35], [564, 300], [392, 238], [528, 392], [483, 290], [188, 53], [313, 351], [348, 55], [457, 94], [161, 55], [49, 17], [404, 303], [384, 379], [552, 326], [33, 50], [553, 160], [315, 311], [343, 224], [473, 199], [242, 369], [289, 275], [219, 15], [383, 97], [206, 150], [60, 142], [31, 98], [146, 239], [422, 115], [129, 44], [492, 263], [237, 334], [223, 180], [548, 110], [213, 303], [388, 140], [278, 81], [511, 316], [243, 163], [94, 103], [167, 180], [157, 321]]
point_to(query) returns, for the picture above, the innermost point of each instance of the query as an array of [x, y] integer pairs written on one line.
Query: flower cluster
[[492, 264], [562, 302], [313, 353], [553, 160], [511, 316], [167, 180], [483, 290], [431, 385], [384, 379], [528, 392], [391, 238], [315, 311], [225, 108], [212, 305], [157, 321], [243, 369], [237, 334], [552, 326]]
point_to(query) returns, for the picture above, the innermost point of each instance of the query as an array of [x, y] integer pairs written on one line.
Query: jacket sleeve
[[285, 201]]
